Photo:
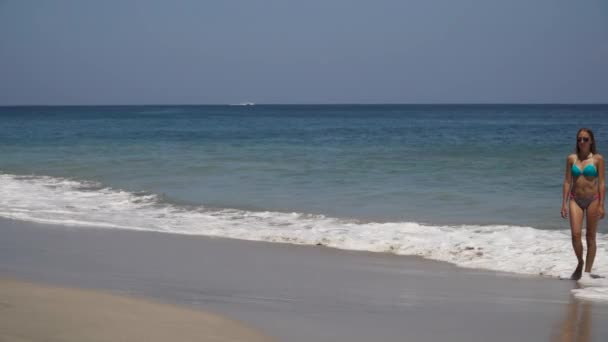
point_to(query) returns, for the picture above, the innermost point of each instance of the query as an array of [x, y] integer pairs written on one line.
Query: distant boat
[[243, 104]]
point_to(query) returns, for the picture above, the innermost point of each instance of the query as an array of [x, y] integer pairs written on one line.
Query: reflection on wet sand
[[576, 325]]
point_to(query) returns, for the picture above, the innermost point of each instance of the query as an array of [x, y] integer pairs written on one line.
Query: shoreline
[[300, 293], [561, 276]]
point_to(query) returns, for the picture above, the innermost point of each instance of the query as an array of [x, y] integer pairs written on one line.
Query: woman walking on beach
[[584, 187]]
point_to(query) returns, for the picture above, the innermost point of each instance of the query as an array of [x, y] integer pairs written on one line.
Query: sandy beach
[[31, 312], [296, 293]]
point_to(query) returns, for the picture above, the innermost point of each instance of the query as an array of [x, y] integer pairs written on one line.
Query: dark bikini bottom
[[584, 202]]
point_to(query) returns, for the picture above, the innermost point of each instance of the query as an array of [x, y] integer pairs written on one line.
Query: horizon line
[[320, 104]]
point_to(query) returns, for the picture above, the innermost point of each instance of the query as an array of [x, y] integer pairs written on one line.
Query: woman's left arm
[[602, 185]]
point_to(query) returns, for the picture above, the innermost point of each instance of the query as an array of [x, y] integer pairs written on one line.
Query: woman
[[584, 186]]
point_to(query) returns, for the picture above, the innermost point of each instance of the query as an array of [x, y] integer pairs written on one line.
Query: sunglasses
[[582, 139]]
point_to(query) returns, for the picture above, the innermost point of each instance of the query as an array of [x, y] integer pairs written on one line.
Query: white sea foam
[[599, 294], [523, 250]]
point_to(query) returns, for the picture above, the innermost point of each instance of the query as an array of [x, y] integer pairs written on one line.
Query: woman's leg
[[592, 220], [576, 226]]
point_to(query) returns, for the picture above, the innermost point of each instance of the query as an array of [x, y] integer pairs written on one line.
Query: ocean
[[476, 185]]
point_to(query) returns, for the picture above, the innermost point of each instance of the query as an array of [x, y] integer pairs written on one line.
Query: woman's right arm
[[567, 185]]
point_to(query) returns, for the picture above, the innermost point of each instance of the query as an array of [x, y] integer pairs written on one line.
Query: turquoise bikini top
[[588, 171]]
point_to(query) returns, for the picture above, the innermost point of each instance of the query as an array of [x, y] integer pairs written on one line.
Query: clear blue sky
[[303, 51]]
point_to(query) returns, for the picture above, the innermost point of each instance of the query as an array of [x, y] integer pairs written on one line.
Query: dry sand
[[31, 312]]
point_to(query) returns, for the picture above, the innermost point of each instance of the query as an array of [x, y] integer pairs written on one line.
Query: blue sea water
[[448, 164], [470, 184]]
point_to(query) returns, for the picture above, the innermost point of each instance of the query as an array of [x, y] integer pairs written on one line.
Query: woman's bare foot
[[578, 272]]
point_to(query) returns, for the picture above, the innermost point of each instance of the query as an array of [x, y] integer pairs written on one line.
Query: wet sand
[[304, 293]]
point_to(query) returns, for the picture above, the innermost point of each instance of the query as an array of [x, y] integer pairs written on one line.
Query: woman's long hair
[[592, 148]]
